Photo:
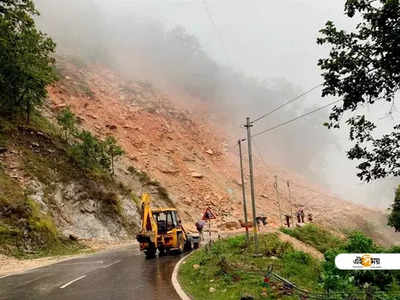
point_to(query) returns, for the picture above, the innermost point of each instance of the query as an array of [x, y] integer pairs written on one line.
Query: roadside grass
[[230, 267], [315, 236]]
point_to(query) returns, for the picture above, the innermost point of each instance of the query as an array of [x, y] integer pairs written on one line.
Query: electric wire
[[318, 193], [294, 119], [217, 32], [287, 103]]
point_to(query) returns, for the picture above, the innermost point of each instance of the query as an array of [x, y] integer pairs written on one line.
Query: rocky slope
[[48, 202], [188, 152]]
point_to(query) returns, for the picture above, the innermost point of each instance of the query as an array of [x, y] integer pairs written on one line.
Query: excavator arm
[[149, 225]]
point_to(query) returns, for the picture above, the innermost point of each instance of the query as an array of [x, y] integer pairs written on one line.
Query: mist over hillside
[[143, 46]]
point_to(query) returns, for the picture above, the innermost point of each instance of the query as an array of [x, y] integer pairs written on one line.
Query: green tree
[[363, 67], [113, 150], [394, 217], [67, 120], [88, 151], [26, 58], [351, 282]]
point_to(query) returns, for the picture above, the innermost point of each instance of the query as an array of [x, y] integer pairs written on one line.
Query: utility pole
[[277, 198], [243, 189], [253, 201]]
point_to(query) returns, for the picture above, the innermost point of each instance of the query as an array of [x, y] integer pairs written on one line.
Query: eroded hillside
[[189, 153]]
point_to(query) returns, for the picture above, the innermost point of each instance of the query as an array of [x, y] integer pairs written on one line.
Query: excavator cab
[[166, 220], [162, 230]]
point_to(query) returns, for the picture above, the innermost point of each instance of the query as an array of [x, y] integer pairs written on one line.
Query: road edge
[[174, 279], [62, 258]]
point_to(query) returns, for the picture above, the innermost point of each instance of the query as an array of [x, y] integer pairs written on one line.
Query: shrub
[[341, 280], [67, 120]]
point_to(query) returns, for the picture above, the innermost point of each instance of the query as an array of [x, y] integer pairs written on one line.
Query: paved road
[[122, 274]]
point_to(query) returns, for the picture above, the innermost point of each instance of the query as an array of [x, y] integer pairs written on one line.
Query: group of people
[[300, 215], [263, 221]]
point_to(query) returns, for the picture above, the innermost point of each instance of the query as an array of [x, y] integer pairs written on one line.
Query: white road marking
[[72, 281], [83, 263], [111, 264], [4, 276]]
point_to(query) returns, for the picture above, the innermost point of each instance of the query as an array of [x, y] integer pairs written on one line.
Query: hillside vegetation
[[49, 197], [315, 236], [230, 269]]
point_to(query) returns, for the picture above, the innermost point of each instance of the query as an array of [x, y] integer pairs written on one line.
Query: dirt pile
[[192, 157]]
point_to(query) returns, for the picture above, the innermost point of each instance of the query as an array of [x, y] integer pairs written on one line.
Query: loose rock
[[197, 175]]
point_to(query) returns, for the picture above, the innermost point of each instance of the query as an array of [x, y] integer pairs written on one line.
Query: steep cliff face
[[187, 148]]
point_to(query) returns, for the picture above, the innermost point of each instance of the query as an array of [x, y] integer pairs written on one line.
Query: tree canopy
[[26, 58], [363, 68]]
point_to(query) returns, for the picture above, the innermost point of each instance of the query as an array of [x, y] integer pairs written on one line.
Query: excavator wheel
[[188, 245], [162, 251], [151, 251]]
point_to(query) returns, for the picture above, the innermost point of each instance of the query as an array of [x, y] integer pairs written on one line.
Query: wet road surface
[[122, 274]]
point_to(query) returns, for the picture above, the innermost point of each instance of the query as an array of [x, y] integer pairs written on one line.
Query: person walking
[[302, 215], [200, 226], [298, 215], [288, 217]]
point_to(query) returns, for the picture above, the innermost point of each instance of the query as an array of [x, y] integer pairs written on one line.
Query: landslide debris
[[188, 150]]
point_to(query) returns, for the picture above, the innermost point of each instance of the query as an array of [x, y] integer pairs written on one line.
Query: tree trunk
[[28, 112], [112, 164]]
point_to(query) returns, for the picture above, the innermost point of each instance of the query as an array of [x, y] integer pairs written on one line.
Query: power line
[[218, 34], [295, 119], [319, 193], [287, 103]]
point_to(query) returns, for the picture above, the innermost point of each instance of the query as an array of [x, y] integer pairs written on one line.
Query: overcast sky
[[265, 39]]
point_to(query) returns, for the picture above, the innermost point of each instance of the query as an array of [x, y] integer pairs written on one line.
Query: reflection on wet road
[[122, 274]]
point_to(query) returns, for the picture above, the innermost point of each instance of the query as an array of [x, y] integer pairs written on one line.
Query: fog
[[243, 58]]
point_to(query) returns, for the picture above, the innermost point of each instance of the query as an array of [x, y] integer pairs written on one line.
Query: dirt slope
[[184, 147]]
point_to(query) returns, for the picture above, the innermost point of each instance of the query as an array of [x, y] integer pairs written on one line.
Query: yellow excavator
[[162, 229]]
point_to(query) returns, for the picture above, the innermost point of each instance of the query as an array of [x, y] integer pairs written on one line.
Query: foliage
[[333, 279], [67, 120], [113, 150], [87, 150], [314, 236], [25, 230], [26, 62], [394, 217], [231, 268], [363, 68]]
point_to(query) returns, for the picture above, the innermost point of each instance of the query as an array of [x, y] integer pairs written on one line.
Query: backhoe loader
[[162, 230]]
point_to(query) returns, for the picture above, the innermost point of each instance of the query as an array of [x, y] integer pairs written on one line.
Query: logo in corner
[[367, 261]]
